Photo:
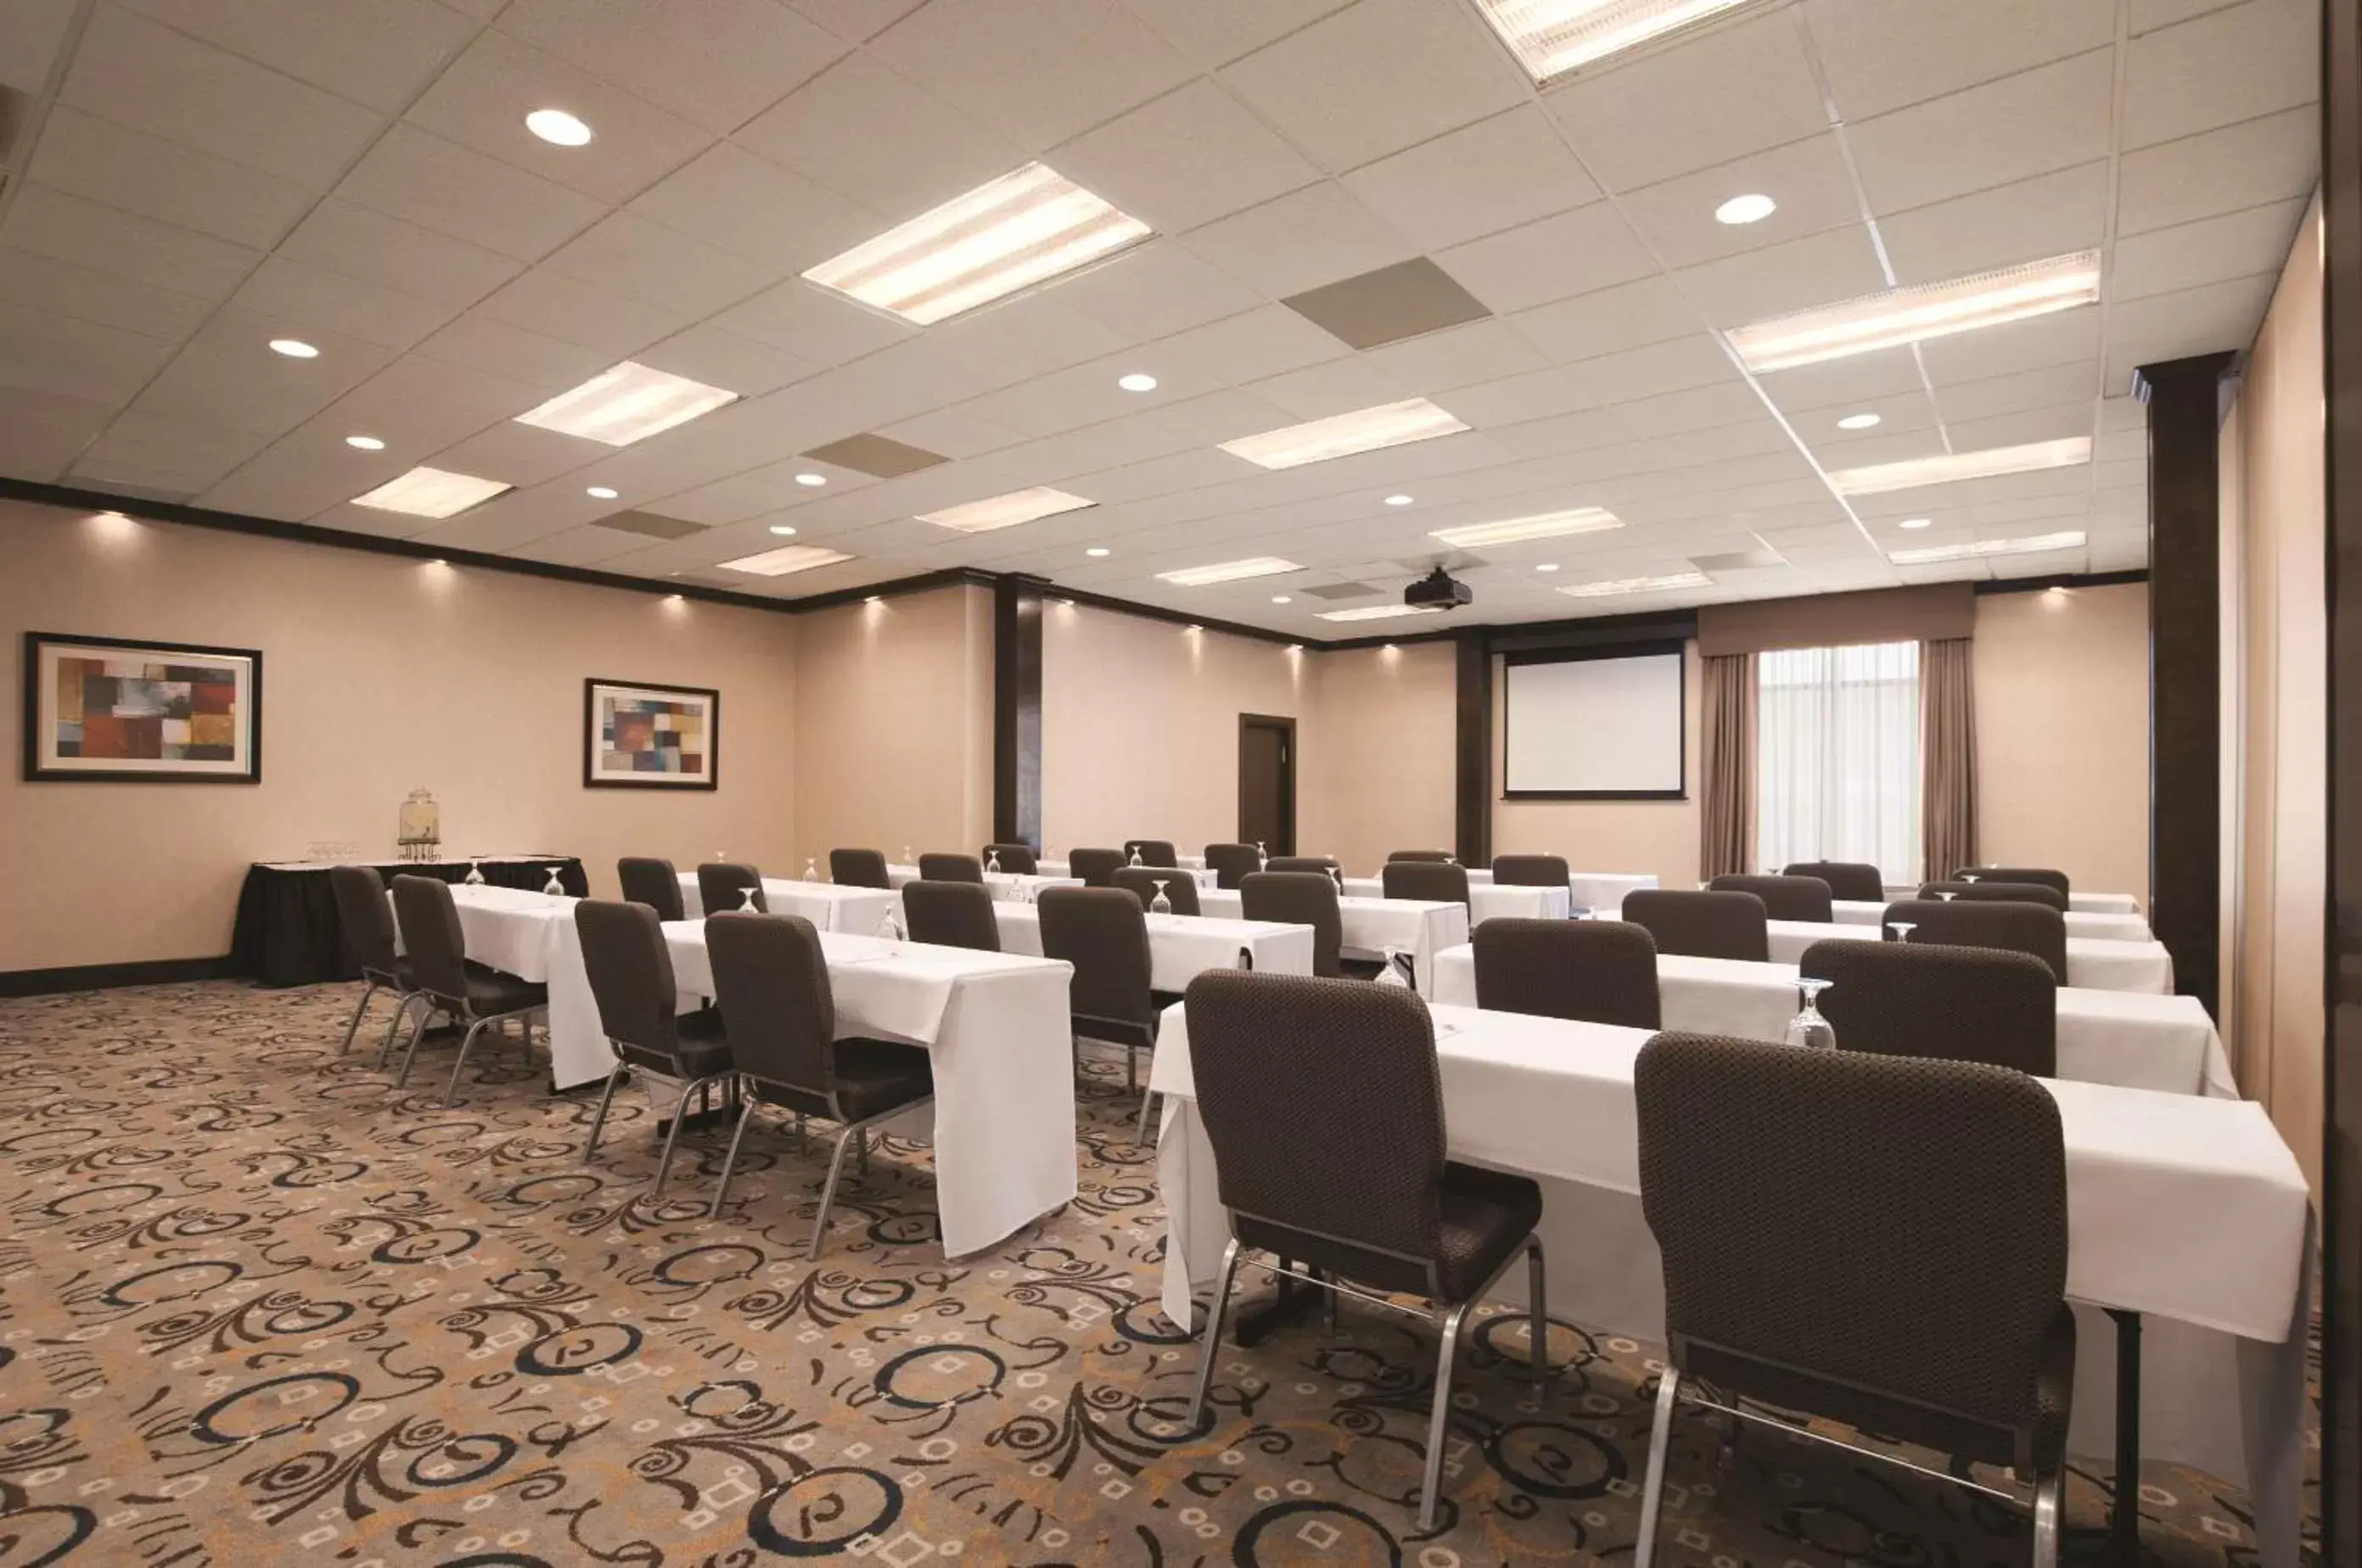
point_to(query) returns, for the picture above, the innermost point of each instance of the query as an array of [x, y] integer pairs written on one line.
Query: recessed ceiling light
[[1281, 599], [364, 443], [1752, 208], [1137, 382], [1399, 501], [430, 492], [1095, 551], [1378, 612], [812, 481], [875, 598], [783, 531], [785, 559], [558, 126], [1916, 522], [1547, 566], [1006, 511], [1897, 316], [1006, 234], [1545, 525], [1554, 37], [293, 347], [1193, 626], [628, 403], [1229, 571], [2031, 546], [1342, 436], [1612, 586], [1951, 465], [600, 492], [1858, 421]]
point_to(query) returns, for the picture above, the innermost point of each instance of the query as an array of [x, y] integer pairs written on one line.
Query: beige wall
[[1384, 776], [379, 674]]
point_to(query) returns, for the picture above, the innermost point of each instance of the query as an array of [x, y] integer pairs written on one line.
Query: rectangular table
[[1377, 928], [829, 906], [2191, 1211], [2080, 923], [2093, 964], [1001, 884], [287, 932], [2077, 903], [1197, 874], [1183, 947], [1487, 900]]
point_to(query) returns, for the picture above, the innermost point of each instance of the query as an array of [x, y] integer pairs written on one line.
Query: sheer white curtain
[[1837, 756]]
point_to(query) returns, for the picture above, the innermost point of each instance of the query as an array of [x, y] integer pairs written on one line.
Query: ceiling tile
[[1215, 32], [50, 287], [1516, 399], [1822, 269], [2216, 70], [377, 52], [718, 66], [574, 311], [1574, 252], [1857, 379], [663, 266], [1672, 367], [75, 360], [2048, 386], [2210, 318], [1649, 311], [359, 243], [1038, 70], [1492, 175], [451, 189], [1407, 300], [1315, 235], [880, 140], [1185, 159], [311, 299], [2050, 117], [40, 435], [106, 162], [2057, 339], [1880, 57], [1252, 346], [1154, 290], [1459, 357], [1336, 387], [856, 21], [1809, 178], [2209, 250], [522, 454], [2218, 171], [2050, 215], [746, 367], [67, 228], [807, 321], [31, 34], [494, 347], [417, 406], [147, 451], [756, 210]]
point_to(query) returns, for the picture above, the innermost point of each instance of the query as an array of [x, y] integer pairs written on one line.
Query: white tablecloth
[[1604, 891], [826, 904], [1485, 900], [1002, 885], [2096, 965], [2077, 903], [1197, 874], [1183, 947], [2191, 1211], [2097, 927], [1375, 927]]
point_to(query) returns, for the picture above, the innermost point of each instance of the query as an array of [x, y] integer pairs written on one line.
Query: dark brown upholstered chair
[[2007, 892], [1434, 881], [1152, 852], [1231, 863], [2034, 928], [2043, 874], [1916, 999], [446, 982], [1702, 924], [631, 975], [1854, 881], [935, 866], [366, 920], [1325, 864], [653, 883], [1180, 887], [1439, 856], [1881, 1240], [1323, 1103], [1595, 971], [1104, 933], [771, 985], [1017, 860], [859, 868], [952, 915], [1785, 898], [1094, 868], [721, 886], [1300, 898], [1529, 870]]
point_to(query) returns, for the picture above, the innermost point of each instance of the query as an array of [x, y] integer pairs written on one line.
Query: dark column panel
[[1473, 831], [1016, 711]]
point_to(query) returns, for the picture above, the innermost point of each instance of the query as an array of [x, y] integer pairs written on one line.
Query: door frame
[[1287, 727]]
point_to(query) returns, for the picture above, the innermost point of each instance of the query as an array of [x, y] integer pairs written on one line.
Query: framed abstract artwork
[[644, 736], [116, 709]]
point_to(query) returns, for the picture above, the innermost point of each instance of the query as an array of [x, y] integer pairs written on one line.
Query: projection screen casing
[[1595, 725]]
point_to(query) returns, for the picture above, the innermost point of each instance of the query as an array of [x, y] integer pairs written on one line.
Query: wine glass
[[554, 886], [1337, 874], [1946, 897], [811, 868], [1971, 876], [746, 904], [1262, 857], [908, 859], [1161, 904], [1808, 1028], [475, 877], [1902, 929], [992, 863]]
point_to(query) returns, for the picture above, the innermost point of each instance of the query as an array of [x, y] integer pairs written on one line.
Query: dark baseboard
[[106, 977]]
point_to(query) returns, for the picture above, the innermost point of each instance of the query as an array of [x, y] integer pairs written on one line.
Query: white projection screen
[[1595, 727]]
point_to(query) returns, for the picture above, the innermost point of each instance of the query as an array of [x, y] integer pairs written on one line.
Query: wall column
[[1473, 777], [1016, 711]]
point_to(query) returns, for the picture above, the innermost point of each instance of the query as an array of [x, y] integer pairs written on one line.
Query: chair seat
[[398, 977], [1486, 1215], [878, 1074], [492, 993], [703, 1047]]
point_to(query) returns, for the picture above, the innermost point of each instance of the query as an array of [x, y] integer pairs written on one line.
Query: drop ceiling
[[191, 180]]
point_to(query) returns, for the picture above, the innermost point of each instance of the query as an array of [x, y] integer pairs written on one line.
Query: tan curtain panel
[[1727, 716], [1947, 751]]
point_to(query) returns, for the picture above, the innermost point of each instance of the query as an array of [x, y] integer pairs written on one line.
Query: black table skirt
[[287, 931]]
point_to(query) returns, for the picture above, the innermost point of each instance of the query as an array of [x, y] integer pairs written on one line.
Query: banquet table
[[1197, 874], [287, 931], [2080, 923], [1182, 947], [1485, 900], [2187, 1210], [830, 905], [2077, 903], [1001, 884], [1377, 928], [2098, 965]]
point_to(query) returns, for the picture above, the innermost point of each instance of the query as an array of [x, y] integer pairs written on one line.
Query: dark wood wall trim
[[106, 977], [2062, 580], [1016, 711], [1473, 770]]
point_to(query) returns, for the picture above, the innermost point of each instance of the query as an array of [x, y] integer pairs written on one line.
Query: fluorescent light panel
[[1898, 316], [1552, 36], [1342, 436], [1950, 466], [2032, 545], [1006, 234], [1612, 586], [628, 403], [1379, 612], [1544, 526], [787, 558], [1006, 511], [1229, 572], [430, 492]]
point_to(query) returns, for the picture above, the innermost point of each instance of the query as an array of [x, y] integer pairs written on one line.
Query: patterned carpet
[[256, 1306]]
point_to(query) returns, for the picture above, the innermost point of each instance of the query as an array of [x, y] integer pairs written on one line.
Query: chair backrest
[[366, 918], [1017, 860], [938, 866], [771, 983], [1325, 864], [1298, 898], [1529, 870], [1702, 924], [1230, 862], [952, 915], [722, 886], [655, 883], [1436, 881], [623, 953], [431, 936], [859, 868], [1917, 999], [1438, 855], [2007, 892], [1101, 932], [1595, 972], [1094, 868], [2034, 928], [1854, 881], [1785, 898], [1891, 1225], [1180, 887], [1325, 1109], [1152, 852], [2046, 875]]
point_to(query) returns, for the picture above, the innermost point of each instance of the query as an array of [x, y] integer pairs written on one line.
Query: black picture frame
[[593, 778], [35, 721], [1679, 653]]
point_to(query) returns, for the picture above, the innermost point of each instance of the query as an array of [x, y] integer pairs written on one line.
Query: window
[[1837, 775]]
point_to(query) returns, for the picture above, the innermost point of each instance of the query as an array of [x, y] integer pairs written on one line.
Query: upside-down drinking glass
[[1161, 904], [1808, 1028]]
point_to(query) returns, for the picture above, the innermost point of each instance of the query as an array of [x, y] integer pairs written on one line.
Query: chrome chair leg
[[828, 1191], [1652, 1488], [2045, 1521], [1439, 1419], [417, 1035], [1145, 1101], [730, 1160], [1212, 1345], [672, 1131], [369, 994], [466, 1042], [1538, 1328], [393, 1029], [606, 1098]]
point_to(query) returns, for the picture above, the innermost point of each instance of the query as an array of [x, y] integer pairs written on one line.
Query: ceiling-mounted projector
[[1437, 590]]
